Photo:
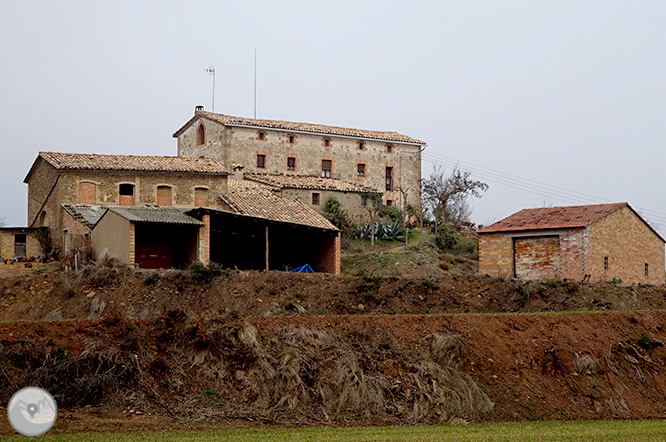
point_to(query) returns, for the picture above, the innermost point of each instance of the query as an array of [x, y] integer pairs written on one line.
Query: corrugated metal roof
[[159, 215], [85, 213]]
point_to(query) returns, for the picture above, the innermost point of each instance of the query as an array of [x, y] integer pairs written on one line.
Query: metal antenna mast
[[255, 83], [211, 70]]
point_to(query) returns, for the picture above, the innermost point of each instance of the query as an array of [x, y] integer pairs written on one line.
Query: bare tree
[[445, 196]]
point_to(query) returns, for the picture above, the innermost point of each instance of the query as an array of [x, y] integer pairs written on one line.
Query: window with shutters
[[326, 168], [360, 169], [291, 163]]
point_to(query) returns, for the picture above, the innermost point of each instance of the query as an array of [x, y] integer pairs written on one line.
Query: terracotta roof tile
[[308, 182], [81, 161], [301, 127], [553, 218], [249, 199]]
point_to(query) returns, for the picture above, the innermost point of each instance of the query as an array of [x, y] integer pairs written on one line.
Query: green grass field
[[602, 431]]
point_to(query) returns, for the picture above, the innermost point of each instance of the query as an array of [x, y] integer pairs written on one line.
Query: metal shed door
[[537, 258]]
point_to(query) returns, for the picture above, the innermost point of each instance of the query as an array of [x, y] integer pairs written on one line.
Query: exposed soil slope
[[346, 369]]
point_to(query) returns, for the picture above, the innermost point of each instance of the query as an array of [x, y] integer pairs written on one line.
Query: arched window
[[200, 197], [163, 195], [201, 135], [126, 192], [42, 220], [87, 192]]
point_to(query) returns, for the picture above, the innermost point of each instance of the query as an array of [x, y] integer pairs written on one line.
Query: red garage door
[[537, 258], [154, 256]]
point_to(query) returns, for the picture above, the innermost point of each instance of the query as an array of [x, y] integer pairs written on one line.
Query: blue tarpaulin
[[304, 269]]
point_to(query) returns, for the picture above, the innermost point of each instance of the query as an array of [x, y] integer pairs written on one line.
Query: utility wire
[[531, 186]]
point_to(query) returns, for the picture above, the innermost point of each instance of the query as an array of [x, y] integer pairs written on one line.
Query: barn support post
[[266, 247]]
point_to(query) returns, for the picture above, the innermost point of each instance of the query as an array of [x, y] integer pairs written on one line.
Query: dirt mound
[[93, 291], [347, 369]]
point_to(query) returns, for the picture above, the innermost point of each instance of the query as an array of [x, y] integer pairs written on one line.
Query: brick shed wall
[[573, 250], [537, 257], [33, 249], [628, 243], [239, 145], [495, 254]]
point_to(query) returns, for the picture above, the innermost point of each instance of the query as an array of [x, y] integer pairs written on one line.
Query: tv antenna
[[211, 71]]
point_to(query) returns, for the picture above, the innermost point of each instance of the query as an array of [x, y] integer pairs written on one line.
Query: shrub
[[447, 238]]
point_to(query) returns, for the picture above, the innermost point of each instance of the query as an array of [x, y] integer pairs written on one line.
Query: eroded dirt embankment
[[345, 369]]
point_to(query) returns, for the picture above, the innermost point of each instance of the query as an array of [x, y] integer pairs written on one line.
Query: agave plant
[[391, 230]]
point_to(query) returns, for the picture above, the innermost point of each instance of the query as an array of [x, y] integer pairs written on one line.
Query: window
[[315, 199], [326, 167], [389, 148], [361, 145], [364, 200], [200, 196], [126, 192], [605, 262], [360, 169], [389, 178], [163, 195], [291, 139], [389, 203], [87, 193], [291, 163], [201, 135], [646, 269], [43, 222], [327, 142], [261, 136], [261, 161]]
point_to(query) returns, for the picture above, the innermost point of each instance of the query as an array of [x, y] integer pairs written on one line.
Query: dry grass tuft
[[587, 364], [445, 349]]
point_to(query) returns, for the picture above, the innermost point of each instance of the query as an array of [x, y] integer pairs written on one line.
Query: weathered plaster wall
[[111, 237]]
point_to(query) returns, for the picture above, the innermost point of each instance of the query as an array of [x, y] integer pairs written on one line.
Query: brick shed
[[598, 242]]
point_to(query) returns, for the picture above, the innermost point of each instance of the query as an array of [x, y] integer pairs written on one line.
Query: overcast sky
[[569, 94]]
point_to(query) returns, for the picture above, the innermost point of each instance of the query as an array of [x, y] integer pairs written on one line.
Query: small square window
[[327, 142], [315, 199], [361, 145], [291, 139], [261, 161], [360, 169], [291, 163], [389, 203], [261, 136], [389, 148], [364, 200]]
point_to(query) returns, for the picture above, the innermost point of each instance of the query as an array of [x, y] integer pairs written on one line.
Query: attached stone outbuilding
[[599, 242], [19, 243]]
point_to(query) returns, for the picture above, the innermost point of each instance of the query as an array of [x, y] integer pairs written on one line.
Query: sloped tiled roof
[[308, 182], [249, 199], [229, 120], [138, 163], [154, 214], [85, 213], [553, 218]]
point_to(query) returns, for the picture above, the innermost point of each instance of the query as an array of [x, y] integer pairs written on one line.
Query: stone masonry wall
[[349, 200], [629, 244], [496, 254], [33, 249], [240, 145]]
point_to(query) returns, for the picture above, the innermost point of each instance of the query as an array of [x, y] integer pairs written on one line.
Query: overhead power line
[[531, 186]]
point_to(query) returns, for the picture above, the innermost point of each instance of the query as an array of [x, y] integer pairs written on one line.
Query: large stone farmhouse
[[599, 242], [171, 211], [384, 161]]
